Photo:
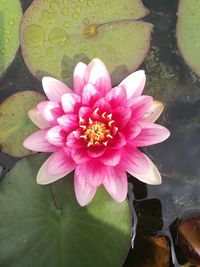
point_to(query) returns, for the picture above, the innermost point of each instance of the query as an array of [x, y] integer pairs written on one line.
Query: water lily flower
[[97, 131]]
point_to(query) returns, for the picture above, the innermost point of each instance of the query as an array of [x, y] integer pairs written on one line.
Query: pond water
[[178, 158], [155, 208]]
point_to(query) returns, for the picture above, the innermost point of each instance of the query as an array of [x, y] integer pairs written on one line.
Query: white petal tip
[[158, 181], [96, 61], [37, 119], [26, 144]]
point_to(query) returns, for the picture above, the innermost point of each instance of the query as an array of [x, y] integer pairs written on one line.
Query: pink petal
[[131, 130], [151, 133], [45, 178], [154, 112], [55, 167], [134, 83], [99, 76], [121, 116], [151, 177], [83, 190], [116, 183], [102, 105], [56, 136], [117, 96], [111, 157], [93, 172], [80, 155], [69, 102], [54, 89], [96, 151], [85, 112], [133, 160], [73, 141], [89, 94], [50, 111], [140, 105], [68, 122], [60, 162], [37, 119], [38, 142], [118, 141], [79, 78]]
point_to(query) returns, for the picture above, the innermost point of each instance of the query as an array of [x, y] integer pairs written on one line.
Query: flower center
[[98, 130], [96, 133]]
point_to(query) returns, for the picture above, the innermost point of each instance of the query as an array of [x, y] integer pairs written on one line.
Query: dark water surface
[[178, 158]]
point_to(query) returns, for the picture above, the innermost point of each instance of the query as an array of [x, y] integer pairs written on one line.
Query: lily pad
[[14, 123], [10, 15], [44, 225], [56, 35], [188, 32]]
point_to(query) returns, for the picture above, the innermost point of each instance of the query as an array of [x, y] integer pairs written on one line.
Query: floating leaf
[[45, 226], [10, 15], [14, 123], [56, 35], [188, 32]]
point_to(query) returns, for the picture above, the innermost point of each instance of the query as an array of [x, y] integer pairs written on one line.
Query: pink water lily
[[97, 131]]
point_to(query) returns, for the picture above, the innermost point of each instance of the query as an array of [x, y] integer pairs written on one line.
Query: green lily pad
[[44, 225], [10, 15], [56, 35], [14, 122], [188, 32]]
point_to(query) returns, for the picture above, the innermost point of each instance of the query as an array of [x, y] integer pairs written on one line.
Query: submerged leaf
[[189, 238], [150, 252]]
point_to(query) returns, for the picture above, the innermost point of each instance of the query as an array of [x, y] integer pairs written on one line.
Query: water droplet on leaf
[[33, 35], [57, 36]]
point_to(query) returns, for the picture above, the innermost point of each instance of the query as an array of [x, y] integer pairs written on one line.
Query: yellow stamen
[[90, 121], [115, 129], [83, 126], [90, 143], [109, 116], [105, 143], [83, 136], [110, 122], [103, 115], [96, 111], [81, 119]]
